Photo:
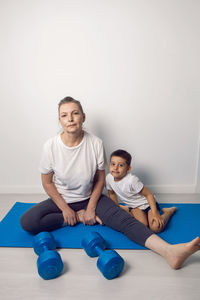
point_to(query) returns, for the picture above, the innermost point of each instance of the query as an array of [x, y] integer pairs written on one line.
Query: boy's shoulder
[[109, 177], [132, 179]]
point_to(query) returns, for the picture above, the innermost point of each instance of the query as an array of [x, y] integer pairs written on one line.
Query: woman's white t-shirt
[[127, 190], [74, 167]]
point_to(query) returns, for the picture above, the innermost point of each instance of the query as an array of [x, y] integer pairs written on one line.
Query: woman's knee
[[28, 224], [106, 207]]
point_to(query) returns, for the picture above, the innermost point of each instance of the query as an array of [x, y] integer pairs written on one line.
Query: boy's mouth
[[115, 172]]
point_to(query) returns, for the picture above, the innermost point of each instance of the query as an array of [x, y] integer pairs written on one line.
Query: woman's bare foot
[[80, 215], [169, 210], [177, 254]]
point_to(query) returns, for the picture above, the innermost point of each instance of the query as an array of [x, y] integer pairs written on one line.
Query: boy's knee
[[155, 228]]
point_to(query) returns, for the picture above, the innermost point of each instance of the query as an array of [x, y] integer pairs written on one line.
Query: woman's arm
[[69, 215], [99, 179]]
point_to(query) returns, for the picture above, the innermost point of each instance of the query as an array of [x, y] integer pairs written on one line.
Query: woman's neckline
[[73, 146]]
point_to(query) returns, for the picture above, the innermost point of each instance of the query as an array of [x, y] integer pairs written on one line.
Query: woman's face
[[71, 118]]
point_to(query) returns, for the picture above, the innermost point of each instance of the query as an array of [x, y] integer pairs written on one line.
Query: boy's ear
[[84, 117], [129, 168]]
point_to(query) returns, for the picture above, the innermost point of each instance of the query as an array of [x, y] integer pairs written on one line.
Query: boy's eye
[[121, 165]]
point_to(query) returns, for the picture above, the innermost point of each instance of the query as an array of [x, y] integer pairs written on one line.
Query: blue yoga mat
[[183, 227]]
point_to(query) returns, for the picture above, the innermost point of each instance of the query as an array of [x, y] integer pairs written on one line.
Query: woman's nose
[[70, 118]]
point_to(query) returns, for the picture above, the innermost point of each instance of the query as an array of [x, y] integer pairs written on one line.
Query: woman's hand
[[80, 216], [70, 217], [89, 217]]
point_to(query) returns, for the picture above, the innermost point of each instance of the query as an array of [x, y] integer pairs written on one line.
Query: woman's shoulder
[[51, 141], [93, 137]]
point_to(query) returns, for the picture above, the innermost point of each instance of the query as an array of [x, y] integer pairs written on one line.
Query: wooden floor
[[146, 275]]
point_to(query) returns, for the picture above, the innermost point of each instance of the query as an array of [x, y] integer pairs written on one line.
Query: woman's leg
[[174, 254], [115, 217], [46, 216]]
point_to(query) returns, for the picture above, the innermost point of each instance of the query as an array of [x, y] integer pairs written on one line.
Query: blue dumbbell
[[49, 262], [110, 263]]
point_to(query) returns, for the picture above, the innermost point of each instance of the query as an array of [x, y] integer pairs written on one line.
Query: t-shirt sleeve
[[45, 165], [136, 185], [101, 159], [108, 186]]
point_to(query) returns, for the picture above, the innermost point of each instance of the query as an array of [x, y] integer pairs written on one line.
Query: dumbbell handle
[[99, 250], [45, 247]]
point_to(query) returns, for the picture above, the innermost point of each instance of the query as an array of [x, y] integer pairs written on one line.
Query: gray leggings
[[46, 216]]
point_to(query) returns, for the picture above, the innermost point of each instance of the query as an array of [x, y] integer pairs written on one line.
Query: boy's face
[[118, 167]]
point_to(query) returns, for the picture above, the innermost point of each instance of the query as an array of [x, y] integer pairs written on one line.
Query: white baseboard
[[173, 189], [161, 189], [21, 189]]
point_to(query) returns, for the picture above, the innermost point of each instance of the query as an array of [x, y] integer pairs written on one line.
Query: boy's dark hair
[[124, 154]]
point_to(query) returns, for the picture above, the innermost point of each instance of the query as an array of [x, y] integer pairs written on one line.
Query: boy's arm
[[113, 196], [150, 198]]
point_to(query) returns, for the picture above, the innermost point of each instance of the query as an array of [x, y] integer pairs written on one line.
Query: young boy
[[138, 200]]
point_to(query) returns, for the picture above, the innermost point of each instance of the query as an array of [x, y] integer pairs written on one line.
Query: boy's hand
[[157, 218]]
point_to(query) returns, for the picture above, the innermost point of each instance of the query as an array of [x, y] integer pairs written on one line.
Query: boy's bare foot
[[169, 210], [178, 253]]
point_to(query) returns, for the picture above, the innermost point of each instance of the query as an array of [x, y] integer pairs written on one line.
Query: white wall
[[134, 65]]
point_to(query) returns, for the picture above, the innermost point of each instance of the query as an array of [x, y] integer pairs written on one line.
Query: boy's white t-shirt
[[74, 167], [127, 190]]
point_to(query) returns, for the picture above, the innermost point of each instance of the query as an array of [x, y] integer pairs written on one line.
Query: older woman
[[73, 172]]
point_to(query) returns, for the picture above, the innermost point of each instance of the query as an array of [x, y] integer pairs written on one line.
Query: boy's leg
[[124, 207], [167, 213], [140, 215]]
